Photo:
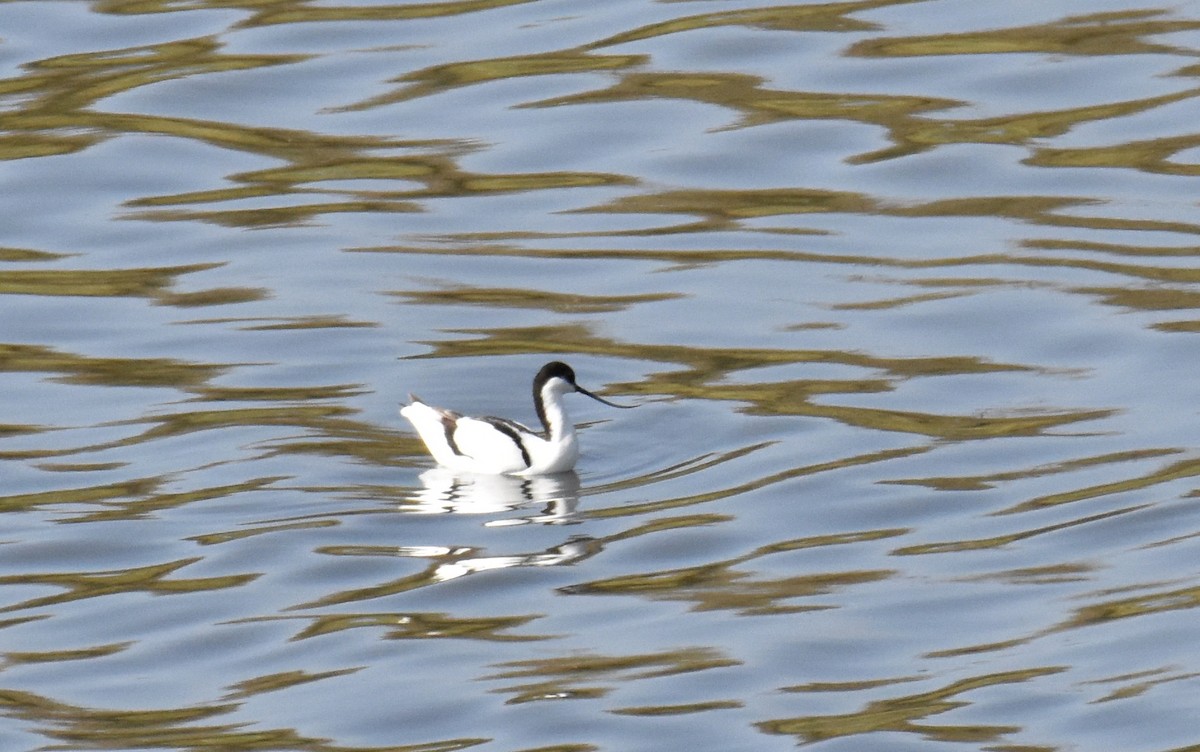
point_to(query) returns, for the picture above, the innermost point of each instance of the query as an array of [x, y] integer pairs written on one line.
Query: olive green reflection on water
[[708, 369], [1151, 155], [660, 505], [1158, 298], [424, 578], [1111, 605], [721, 586], [1172, 472], [282, 680], [438, 173], [306, 12], [440, 78], [78, 467], [58, 98], [56, 656], [828, 17], [331, 431], [57, 94], [411, 626], [1000, 541], [151, 283], [590, 676], [1116, 249], [899, 115], [212, 539], [1147, 298], [727, 209], [12, 429], [1137, 605], [724, 209], [984, 482], [886, 303], [539, 299], [25, 255], [1138, 683], [289, 323], [329, 419], [1100, 34], [681, 469], [153, 579], [143, 508], [82, 369], [851, 686], [663, 524], [96, 494], [714, 214], [258, 217], [907, 118], [1052, 574], [135, 499], [174, 729], [653, 711], [713, 587], [904, 714], [209, 393], [704, 364]]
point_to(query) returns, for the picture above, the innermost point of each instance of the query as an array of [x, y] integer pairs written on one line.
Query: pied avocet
[[499, 446]]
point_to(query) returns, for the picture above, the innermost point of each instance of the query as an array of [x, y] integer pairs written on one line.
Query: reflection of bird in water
[[499, 446], [457, 563], [444, 490]]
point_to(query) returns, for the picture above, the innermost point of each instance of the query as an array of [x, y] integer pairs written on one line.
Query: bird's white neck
[[553, 414]]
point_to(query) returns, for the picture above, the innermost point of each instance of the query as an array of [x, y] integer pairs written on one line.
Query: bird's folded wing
[[489, 444]]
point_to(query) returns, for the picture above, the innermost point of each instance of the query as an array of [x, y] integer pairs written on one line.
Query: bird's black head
[[563, 371], [552, 369]]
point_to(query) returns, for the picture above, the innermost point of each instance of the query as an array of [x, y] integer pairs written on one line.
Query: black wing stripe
[[448, 425], [513, 433]]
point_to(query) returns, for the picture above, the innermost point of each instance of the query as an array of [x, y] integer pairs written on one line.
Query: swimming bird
[[496, 446]]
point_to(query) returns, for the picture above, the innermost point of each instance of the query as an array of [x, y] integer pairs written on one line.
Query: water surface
[[906, 293]]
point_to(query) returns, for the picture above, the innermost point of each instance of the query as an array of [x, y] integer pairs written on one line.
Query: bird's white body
[[484, 447], [496, 446]]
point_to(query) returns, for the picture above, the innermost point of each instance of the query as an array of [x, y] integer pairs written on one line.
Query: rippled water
[[906, 291]]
